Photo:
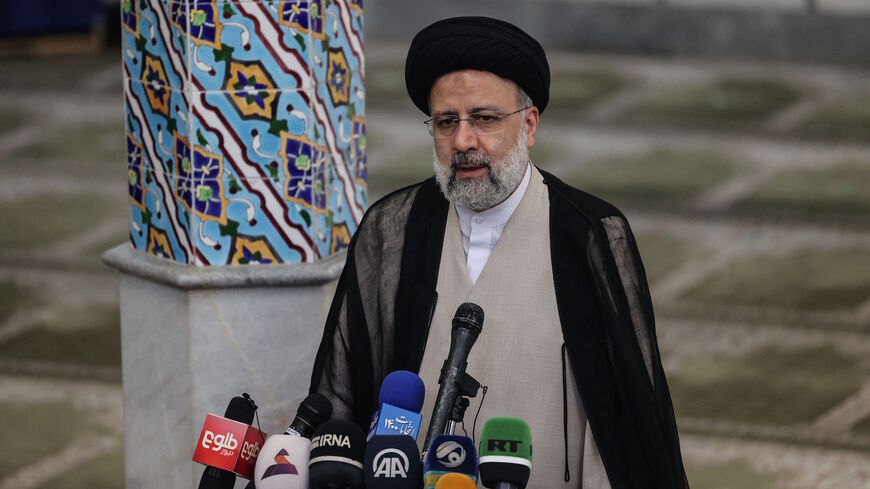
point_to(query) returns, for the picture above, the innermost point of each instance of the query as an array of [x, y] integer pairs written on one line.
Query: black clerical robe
[[380, 316]]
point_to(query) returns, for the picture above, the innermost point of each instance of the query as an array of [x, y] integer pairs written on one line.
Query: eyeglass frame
[[470, 119]]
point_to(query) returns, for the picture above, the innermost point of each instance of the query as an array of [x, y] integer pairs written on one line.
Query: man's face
[[479, 166]]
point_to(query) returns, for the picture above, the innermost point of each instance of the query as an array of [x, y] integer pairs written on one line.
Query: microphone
[[467, 324], [285, 459], [336, 460], [219, 444], [283, 463], [312, 412], [392, 462], [455, 480], [505, 453], [400, 402], [449, 453]]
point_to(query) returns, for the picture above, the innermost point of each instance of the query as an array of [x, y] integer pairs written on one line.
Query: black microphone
[[313, 411], [467, 324], [239, 409], [336, 460]]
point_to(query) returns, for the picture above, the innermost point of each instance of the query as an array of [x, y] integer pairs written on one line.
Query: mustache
[[470, 158]]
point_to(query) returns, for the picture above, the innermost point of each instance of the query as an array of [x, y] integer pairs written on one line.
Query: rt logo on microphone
[[503, 445], [450, 454], [390, 463]]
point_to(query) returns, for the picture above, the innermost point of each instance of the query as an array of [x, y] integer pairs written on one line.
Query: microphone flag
[[229, 445], [392, 420], [505, 452]]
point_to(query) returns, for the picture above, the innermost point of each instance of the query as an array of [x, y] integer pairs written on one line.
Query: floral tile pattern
[[245, 128]]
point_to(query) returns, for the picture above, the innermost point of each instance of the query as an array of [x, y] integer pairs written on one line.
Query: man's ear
[[532, 116]]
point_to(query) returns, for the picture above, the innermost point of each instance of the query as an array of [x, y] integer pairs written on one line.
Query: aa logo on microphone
[[391, 463], [450, 454]]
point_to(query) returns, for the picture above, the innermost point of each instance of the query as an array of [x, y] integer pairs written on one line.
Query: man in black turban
[[569, 339]]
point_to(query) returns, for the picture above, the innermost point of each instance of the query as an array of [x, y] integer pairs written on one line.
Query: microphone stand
[[468, 387]]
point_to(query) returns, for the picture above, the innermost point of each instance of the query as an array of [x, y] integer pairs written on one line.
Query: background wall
[[820, 31]]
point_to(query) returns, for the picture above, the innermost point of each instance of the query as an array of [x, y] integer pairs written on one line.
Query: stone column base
[[194, 337]]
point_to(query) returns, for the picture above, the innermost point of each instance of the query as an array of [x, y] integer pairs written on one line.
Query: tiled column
[[245, 128], [245, 146]]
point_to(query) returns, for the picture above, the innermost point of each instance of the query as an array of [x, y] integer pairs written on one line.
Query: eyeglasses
[[484, 122]]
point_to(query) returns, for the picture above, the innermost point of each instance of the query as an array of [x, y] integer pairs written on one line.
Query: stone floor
[[746, 185]]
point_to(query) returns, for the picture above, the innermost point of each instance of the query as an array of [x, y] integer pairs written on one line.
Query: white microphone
[[283, 463]]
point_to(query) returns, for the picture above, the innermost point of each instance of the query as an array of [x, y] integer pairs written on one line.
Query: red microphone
[[229, 445]]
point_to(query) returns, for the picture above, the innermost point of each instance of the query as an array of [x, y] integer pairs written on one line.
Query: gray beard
[[487, 191]]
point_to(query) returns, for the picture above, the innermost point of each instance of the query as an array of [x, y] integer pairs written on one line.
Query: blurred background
[[735, 135]]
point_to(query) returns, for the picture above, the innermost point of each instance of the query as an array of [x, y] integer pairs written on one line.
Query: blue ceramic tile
[[268, 156], [155, 118], [163, 224], [248, 38], [246, 235], [341, 45], [245, 128], [155, 44], [340, 127]]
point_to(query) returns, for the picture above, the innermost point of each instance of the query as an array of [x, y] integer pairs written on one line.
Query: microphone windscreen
[[449, 453], [454, 480], [337, 451], [505, 452], [392, 462], [282, 463], [315, 409], [403, 389], [469, 315], [240, 409]]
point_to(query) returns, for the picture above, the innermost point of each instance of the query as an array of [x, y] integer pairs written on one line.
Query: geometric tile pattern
[[245, 128]]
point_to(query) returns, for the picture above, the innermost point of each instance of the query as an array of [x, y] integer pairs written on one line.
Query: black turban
[[477, 43]]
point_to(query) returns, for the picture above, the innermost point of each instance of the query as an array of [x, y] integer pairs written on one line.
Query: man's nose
[[465, 138]]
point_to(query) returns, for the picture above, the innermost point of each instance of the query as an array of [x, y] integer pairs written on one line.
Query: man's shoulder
[[585, 204], [401, 198], [394, 208]]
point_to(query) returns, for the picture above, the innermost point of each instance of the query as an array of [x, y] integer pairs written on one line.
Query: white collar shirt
[[482, 230]]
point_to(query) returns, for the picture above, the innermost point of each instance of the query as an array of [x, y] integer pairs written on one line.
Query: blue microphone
[[399, 405], [446, 454]]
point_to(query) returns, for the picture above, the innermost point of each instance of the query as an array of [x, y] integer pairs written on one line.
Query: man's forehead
[[483, 89], [473, 77]]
